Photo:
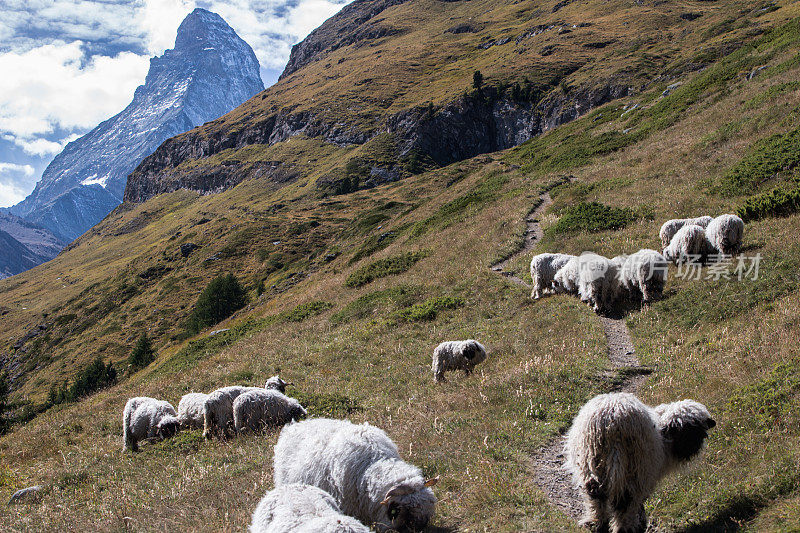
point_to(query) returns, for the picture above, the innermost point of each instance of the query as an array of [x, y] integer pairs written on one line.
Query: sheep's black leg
[[596, 517], [629, 515]]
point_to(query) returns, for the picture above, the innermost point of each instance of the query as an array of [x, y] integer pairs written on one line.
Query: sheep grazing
[[257, 409], [598, 281], [724, 234], [644, 274], [299, 508], [543, 270], [671, 227], [565, 280], [147, 418], [457, 355], [360, 467], [276, 383], [618, 449], [689, 242], [191, 410], [218, 410]]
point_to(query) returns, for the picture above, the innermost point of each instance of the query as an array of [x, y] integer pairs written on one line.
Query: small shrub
[[775, 154], [593, 216], [384, 267], [477, 80], [143, 353], [428, 309], [223, 297], [778, 202], [306, 310], [94, 377], [327, 405], [769, 401], [369, 304]]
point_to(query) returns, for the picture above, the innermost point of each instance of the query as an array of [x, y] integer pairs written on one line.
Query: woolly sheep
[[644, 273], [543, 270], [724, 234], [618, 449], [457, 355], [671, 227], [218, 410], [598, 281], [191, 409], [689, 241], [299, 508], [360, 467], [147, 418], [276, 383], [257, 409], [565, 280]]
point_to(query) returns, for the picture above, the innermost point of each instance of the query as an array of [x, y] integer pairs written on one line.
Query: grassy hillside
[[360, 287]]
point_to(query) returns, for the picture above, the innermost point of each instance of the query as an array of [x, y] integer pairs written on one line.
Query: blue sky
[[70, 64]]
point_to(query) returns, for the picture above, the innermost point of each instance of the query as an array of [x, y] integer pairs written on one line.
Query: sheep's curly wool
[[218, 410], [360, 467], [543, 271], [690, 241], [724, 234], [299, 508], [565, 280], [147, 418], [457, 355], [191, 409], [671, 227], [644, 274], [598, 281], [618, 449], [260, 408]]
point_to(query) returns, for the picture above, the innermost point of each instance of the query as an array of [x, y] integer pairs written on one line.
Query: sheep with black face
[[147, 418], [618, 449], [361, 468], [457, 355]]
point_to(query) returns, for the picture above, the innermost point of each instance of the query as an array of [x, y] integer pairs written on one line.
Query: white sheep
[[147, 418], [360, 467], [565, 280], [671, 227], [724, 234], [598, 281], [260, 408], [191, 410], [618, 449], [644, 274], [688, 244], [457, 355], [543, 270], [218, 410], [276, 383], [297, 508]]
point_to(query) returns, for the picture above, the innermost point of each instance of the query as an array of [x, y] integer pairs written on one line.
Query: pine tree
[[477, 80], [223, 297], [143, 353]]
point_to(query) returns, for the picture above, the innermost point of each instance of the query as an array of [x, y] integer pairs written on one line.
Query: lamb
[[360, 467], [257, 409], [457, 355], [218, 410], [689, 242], [147, 418], [598, 281], [618, 449], [644, 274], [724, 234], [543, 270], [276, 383], [191, 410], [671, 227], [566, 279], [296, 508]]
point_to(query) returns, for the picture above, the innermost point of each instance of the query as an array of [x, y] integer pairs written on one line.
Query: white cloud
[[41, 147], [57, 86], [159, 21], [10, 190]]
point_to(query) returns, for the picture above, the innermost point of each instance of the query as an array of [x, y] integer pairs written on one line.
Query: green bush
[[766, 403], [223, 297], [775, 154], [428, 309], [593, 216], [143, 353], [97, 375], [384, 267], [369, 304], [306, 310], [778, 202]]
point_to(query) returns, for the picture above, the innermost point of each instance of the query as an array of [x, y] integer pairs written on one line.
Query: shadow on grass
[[436, 529], [729, 518]]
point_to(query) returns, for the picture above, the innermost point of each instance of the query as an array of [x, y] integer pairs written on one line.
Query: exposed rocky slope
[[210, 71], [25, 245]]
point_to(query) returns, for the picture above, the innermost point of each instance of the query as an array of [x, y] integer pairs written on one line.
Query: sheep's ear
[[431, 482], [398, 490]]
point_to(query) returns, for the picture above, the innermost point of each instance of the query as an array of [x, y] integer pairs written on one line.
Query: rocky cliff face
[[209, 72], [24, 245]]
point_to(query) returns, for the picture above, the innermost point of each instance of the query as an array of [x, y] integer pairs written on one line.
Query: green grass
[[384, 267], [370, 304], [766, 403], [428, 309], [593, 217], [779, 202], [776, 155]]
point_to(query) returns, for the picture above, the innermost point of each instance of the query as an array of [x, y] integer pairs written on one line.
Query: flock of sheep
[[606, 283], [333, 476]]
